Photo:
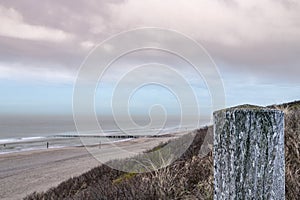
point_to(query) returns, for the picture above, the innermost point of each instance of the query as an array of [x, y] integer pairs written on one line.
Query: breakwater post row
[[249, 153]]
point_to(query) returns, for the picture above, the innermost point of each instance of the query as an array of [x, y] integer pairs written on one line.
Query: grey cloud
[[255, 36], [73, 16], [40, 53]]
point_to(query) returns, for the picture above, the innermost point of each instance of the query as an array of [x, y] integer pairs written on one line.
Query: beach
[[25, 172]]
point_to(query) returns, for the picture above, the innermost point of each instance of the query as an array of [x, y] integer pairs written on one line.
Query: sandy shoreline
[[25, 172]]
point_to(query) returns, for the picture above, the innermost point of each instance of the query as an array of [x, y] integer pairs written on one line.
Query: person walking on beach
[[47, 145]]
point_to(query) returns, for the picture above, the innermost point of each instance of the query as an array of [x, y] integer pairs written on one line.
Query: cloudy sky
[[255, 45]]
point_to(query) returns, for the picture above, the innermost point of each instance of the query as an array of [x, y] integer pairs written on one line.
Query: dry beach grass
[[189, 177], [292, 148]]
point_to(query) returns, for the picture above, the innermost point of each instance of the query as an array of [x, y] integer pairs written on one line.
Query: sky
[[254, 44]]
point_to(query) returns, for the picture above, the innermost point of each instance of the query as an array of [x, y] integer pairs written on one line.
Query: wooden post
[[249, 153]]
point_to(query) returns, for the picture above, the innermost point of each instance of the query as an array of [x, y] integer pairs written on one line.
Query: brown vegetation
[[292, 148], [189, 177]]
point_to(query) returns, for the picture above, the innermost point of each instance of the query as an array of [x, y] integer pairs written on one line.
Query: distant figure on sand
[[47, 145]]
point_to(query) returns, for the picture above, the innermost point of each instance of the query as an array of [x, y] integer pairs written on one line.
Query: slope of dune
[[189, 177]]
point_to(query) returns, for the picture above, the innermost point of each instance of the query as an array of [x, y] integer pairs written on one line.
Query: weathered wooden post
[[249, 153]]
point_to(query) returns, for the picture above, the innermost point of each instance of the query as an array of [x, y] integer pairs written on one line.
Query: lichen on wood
[[249, 153]]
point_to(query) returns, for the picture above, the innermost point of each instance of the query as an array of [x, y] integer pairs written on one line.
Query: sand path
[[25, 172]]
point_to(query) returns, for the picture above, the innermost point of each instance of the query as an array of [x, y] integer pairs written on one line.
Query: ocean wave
[[23, 139]]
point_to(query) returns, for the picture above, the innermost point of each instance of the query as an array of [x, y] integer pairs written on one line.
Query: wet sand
[[25, 172]]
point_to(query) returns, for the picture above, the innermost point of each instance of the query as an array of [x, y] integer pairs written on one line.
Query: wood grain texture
[[249, 153]]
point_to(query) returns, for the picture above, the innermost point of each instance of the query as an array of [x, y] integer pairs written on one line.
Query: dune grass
[[188, 177]]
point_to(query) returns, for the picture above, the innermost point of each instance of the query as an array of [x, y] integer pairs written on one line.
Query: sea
[[26, 133]]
